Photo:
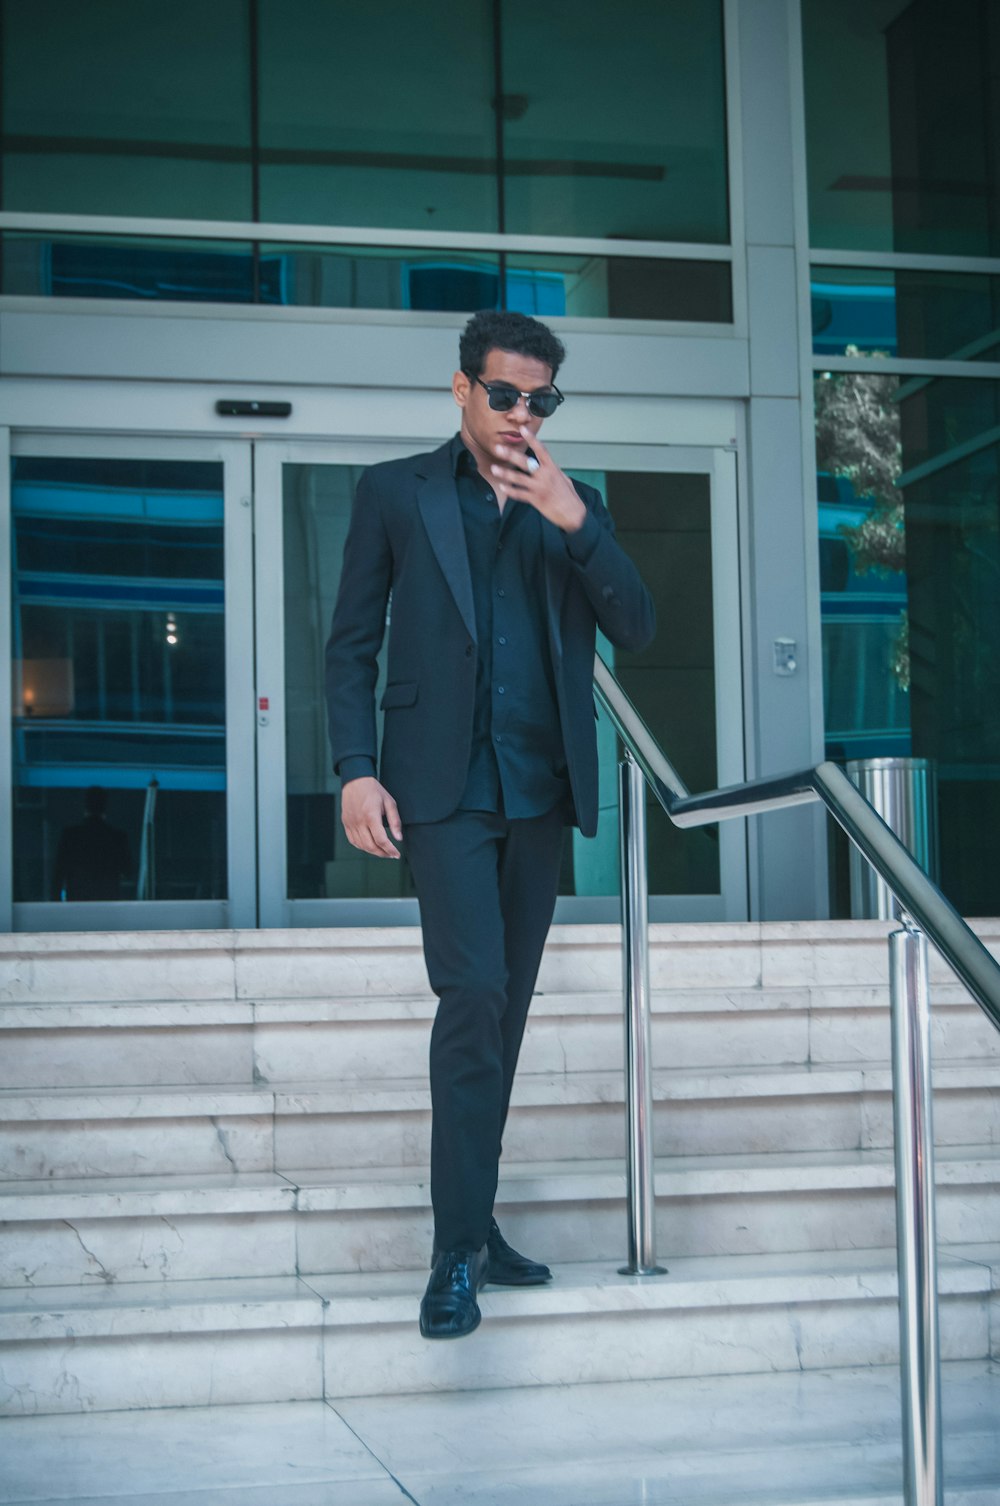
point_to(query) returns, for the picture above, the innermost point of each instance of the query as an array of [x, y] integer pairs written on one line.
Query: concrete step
[[115, 1230], [357, 962], [70, 1349], [574, 1116], [243, 1042]]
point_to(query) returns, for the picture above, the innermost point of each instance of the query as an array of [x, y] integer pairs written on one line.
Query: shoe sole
[[462, 1333], [518, 1280]]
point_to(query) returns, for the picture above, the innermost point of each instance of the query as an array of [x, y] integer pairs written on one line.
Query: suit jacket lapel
[[437, 499]]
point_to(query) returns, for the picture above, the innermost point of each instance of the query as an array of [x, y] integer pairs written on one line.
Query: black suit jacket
[[406, 537]]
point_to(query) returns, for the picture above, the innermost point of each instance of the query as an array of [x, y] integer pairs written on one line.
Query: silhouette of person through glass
[[93, 856]]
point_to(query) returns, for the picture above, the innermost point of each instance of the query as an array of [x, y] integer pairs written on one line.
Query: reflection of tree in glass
[[858, 438]]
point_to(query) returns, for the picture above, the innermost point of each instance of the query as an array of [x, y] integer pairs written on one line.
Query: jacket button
[[468, 650]]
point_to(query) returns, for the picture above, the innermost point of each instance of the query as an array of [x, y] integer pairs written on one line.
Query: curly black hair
[[493, 329]]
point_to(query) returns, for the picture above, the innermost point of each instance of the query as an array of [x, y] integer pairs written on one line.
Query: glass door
[[131, 739], [675, 512]]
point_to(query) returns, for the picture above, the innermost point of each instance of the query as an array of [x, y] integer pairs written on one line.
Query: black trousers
[[487, 889]]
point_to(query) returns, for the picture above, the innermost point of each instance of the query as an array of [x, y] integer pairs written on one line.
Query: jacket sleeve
[[622, 605], [356, 636]]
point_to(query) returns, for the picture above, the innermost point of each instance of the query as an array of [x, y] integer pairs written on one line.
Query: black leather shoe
[[449, 1309], [507, 1267]]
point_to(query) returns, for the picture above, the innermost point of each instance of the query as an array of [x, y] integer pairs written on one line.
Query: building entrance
[[170, 602], [675, 512]]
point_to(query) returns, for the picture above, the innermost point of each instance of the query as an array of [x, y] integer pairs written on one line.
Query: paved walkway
[[830, 1437]]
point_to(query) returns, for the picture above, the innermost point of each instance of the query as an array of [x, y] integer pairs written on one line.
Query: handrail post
[[638, 1048], [916, 1240]]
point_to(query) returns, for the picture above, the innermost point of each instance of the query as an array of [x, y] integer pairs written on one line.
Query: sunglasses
[[501, 398]]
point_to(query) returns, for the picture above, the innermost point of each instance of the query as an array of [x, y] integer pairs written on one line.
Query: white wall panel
[[774, 341], [53, 341], [766, 122], [790, 878]]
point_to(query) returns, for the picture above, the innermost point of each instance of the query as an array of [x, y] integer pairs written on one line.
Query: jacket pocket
[[402, 694]]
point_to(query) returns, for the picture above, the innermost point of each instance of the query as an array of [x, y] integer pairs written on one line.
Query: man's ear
[[460, 386]]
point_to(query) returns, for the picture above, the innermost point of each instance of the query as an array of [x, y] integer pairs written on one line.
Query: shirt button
[[499, 737], [490, 497], [499, 690], [501, 640], [501, 591]]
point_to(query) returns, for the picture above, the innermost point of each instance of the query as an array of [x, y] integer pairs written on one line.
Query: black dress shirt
[[517, 762]]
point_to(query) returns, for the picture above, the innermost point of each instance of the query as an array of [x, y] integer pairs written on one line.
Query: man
[[500, 570], [93, 856]]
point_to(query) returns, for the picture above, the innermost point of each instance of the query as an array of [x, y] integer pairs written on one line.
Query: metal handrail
[[920, 902], [145, 887], [918, 896]]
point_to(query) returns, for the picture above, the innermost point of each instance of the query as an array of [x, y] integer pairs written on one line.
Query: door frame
[[240, 907], [717, 462], [154, 420]]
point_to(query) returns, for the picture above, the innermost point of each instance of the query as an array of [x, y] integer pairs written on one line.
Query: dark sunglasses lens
[[502, 399], [543, 404]]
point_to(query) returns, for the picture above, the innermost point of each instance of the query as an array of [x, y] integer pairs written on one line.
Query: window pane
[[544, 285], [322, 864], [909, 479], [380, 277], [935, 315], [902, 121], [378, 114], [119, 685], [620, 287], [376, 277], [615, 124], [96, 266], [127, 107], [663, 521]]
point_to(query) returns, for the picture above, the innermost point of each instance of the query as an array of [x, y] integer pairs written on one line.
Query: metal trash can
[[904, 792]]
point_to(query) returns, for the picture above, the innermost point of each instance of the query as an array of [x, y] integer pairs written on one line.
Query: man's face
[[483, 428]]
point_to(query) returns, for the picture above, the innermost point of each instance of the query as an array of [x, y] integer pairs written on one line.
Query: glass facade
[[386, 116], [935, 316], [127, 107], [602, 136], [908, 480], [663, 520], [378, 114], [316, 511], [366, 277], [119, 727], [386, 119], [903, 118], [909, 498]]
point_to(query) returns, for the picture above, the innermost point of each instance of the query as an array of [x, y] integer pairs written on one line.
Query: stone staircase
[[214, 1166]]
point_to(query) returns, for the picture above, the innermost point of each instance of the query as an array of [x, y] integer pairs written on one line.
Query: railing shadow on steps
[[924, 912]]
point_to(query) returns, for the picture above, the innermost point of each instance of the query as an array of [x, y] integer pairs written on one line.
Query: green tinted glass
[[615, 122], [378, 114], [119, 704], [902, 111], [127, 107], [922, 315], [909, 503]]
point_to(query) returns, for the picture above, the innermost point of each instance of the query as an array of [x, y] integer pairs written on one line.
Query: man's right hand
[[364, 805]]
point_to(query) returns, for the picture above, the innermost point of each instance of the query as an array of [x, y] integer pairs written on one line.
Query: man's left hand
[[542, 484]]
